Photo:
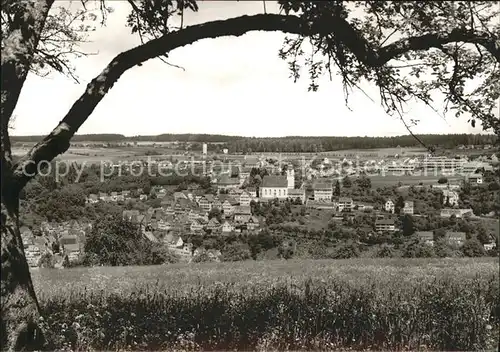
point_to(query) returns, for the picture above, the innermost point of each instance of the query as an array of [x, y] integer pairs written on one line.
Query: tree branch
[[434, 40], [58, 141]]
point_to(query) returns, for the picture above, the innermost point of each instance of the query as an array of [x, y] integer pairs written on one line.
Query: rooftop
[[322, 185], [274, 182], [384, 222], [226, 180]]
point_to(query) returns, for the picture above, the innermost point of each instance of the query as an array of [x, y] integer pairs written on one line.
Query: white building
[[475, 178], [451, 197], [345, 204], [245, 199], [443, 163], [205, 148], [408, 207], [384, 225], [323, 191], [389, 206], [297, 194], [274, 187], [459, 213]]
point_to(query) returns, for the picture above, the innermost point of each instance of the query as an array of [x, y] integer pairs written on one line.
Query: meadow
[[358, 304]]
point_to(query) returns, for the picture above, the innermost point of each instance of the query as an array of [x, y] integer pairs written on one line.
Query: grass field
[[368, 304]]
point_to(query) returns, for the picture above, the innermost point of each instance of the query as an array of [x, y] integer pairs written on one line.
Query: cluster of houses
[[459, 165], [193, 212], [117, 196], [452, 238], [65, 239]]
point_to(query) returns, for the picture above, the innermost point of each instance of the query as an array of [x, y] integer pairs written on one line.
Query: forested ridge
[[289, 143]]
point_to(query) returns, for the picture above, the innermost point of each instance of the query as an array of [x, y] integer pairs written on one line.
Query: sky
[[232, 86]]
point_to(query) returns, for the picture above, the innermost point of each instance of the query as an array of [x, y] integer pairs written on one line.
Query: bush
[[473, 248], [442, 180], [385, 252], [236, 252], [346, 251], [113, 241], [46, 260], [418, 250]]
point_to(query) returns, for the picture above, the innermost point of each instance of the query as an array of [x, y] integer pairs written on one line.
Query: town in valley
[[204, 202]]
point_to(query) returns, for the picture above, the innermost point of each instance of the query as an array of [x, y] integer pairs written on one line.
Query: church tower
[[290, 177]]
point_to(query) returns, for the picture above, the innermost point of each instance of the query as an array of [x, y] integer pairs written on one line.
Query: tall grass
[[298, 305]]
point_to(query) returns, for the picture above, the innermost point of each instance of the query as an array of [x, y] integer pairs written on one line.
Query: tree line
[[292, 144]]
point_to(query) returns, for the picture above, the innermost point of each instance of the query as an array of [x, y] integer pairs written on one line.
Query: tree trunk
[[20, 309]]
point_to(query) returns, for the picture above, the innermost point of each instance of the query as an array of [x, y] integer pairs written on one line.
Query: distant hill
[[289, 143]]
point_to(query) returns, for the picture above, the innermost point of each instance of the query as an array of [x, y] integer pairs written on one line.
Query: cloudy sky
[[234, 86]]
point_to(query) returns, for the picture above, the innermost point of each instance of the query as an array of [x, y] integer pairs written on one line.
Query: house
[[243, 175], [426, 237], [179, 195], [227, 227], [143, 197], [450, 197], [166, 202], [235, 192], [188, 195], [181, 206], [389, 206], [475, 178], [131, 215], [245, 199], [27, 236], [384, 225], [33, 254], [345, 204], [274, 187], [163, 224], [297, 194], [459, 213], [126, 194], [227, 208], [161, 193], [104, 197], [205, 202], [92, 199], [213, 225], [196, 226], [408, 207], [489, 246], [323, 191], [173, 241], [217, 204], [150, 236], [253, 223], [226, 183], [70, 246], [252, 192], [245, 210], [242, 214], [114, 196], [455, 238], [193, 215], [364, 207]]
